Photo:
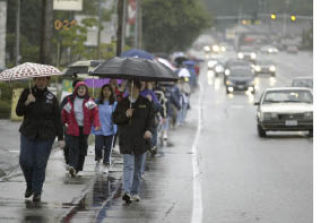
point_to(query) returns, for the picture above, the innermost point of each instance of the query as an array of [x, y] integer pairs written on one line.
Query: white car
[[285, 109]]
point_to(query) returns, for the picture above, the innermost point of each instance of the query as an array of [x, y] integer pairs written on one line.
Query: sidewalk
[[61, 196]]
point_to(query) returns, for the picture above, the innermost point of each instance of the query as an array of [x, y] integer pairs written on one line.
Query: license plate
[[291, 123]]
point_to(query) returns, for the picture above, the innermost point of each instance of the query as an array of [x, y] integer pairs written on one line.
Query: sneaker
[[28, 193], [136, 198], [36, 197], [127, 198], [153, 150], [106, 169], [72, 172]]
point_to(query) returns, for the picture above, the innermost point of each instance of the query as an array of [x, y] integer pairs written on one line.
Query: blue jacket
[[105, 116]]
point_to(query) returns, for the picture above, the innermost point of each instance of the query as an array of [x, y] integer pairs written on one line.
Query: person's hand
[[97, 128], [147, 135], [62, 144], [129, 112], [30, 99], [149, 97]]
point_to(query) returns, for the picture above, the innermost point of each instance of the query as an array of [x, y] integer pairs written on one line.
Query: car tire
[[261, 131]]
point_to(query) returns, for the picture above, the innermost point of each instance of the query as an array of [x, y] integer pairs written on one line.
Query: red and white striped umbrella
[[29, 70]]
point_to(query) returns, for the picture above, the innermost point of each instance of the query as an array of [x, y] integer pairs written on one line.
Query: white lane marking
[[197, 193]]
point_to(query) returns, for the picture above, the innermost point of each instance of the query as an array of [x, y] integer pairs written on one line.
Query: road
[[246, 178]]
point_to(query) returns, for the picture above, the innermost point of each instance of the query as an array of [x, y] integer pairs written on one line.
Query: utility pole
[[119, 31], [18, 33], [124, 24], [46, 31], [136, 25], [140, 26], [99, 30]]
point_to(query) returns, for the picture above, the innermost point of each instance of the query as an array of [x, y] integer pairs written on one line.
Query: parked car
[[287, 108], [302, 82], [240, 79], [265, 67]]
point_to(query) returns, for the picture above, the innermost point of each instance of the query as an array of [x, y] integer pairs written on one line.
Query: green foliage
[[172, 25], [5, 109]]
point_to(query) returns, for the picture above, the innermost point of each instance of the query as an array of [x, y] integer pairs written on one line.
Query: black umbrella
[[135, 68]]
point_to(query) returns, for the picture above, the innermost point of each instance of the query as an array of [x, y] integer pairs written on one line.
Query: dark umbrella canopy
[[135, 68]]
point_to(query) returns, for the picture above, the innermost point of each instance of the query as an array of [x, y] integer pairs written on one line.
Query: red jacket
[[90, 115]]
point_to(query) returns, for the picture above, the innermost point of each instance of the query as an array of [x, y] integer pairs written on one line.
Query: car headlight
[[240, 55], [206, 48], [211, 63], [308, 115], [219, 69], [215, 48], [258, 68], [227, 72], [272, 68], [253, 56]]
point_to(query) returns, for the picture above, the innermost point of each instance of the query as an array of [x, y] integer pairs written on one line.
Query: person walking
[[66, 137], [41, 124], [105, 136], [79, 114], [134, 116]]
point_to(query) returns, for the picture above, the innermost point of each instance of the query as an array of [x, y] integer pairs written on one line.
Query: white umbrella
[[183, 72], [28, 70]]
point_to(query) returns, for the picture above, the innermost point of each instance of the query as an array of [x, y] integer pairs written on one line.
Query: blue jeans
[[132, 172], [103, 143], [34, 155]]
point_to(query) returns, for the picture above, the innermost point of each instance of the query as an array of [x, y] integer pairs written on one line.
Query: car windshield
[[241, 72], [303, 83], [239, 63], [288, 97], [265, 62]]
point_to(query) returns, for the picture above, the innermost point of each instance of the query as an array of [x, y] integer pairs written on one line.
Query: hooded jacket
[[41, 119], [90, 113]]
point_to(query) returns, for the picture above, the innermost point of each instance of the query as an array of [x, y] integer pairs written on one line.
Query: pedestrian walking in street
[[105, 136], [134, 116], [79, 114], [66, 136], [41, 124]]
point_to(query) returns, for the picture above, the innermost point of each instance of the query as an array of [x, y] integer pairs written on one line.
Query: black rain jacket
[[131, 130], [41, 119]]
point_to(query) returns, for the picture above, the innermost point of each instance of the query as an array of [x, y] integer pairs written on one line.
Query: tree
[[172, 25]]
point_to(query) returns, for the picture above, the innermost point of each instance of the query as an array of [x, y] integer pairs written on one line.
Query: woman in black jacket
[[41, 124]]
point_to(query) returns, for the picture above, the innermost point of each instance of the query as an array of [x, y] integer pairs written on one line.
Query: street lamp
[[293, 18]]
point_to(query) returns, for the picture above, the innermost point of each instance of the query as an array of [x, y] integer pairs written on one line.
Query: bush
[[5, 109]]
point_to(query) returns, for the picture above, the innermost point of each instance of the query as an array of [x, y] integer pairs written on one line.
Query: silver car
[[287, 108]]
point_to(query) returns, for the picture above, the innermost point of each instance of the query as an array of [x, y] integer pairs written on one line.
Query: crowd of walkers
[[133, 115]]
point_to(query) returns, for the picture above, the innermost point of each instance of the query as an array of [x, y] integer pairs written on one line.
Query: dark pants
[[103, 143], [78, 150], [66, 148], [34, 155]]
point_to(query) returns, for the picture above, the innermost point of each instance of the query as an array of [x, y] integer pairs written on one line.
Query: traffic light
[[273, 16], [293, 18]]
